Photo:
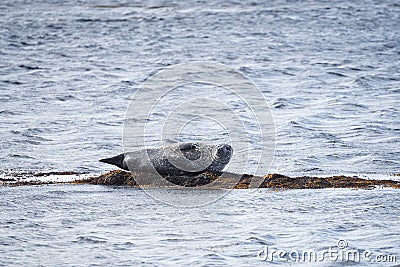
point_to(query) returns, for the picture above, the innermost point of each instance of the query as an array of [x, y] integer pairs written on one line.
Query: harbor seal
[[175, 160]]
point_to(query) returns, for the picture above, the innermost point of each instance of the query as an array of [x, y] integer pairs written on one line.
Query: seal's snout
[[117, 161], [225, 152]]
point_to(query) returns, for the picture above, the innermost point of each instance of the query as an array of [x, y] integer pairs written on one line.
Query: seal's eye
[[188, 147], [190, 151]]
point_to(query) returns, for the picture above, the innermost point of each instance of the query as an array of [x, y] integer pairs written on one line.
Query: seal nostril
[[228, 147]]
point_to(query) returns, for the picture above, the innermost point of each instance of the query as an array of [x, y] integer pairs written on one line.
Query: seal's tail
[[117, 161]]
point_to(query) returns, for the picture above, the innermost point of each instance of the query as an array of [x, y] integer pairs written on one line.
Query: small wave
[[65, 98], [258, 240], [20, 156], [102, 20], [374, 80], [214, 256], [31, 142], [115, 123], [281, 103], [130, 6], [32, 136], [29, 132], [12, 82], [29, 67], [285, 72], [300, 125], [336, 73], [7, 112], [90, 239], [109, 6]]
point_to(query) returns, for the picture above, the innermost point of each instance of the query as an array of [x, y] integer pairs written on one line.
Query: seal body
[[175, 160]]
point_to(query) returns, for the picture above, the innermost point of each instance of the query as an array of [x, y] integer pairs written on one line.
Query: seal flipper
[[117, 161]]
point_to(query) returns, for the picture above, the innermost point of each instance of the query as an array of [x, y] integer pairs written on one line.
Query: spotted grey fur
[[175, 160]]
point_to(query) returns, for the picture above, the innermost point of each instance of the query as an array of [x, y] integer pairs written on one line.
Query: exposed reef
[[221, 180], [233, 181]]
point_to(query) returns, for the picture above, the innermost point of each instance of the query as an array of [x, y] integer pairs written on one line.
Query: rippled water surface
[[329, 72], [82, 224]]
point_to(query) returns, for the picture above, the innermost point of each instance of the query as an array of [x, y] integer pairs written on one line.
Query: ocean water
[[84, 225], [329, 73]]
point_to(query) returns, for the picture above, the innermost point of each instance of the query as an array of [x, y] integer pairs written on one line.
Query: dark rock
[[237, 181], [116, 177], [119, 177]]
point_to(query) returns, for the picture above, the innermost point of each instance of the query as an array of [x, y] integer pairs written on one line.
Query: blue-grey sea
[[329, 72]]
